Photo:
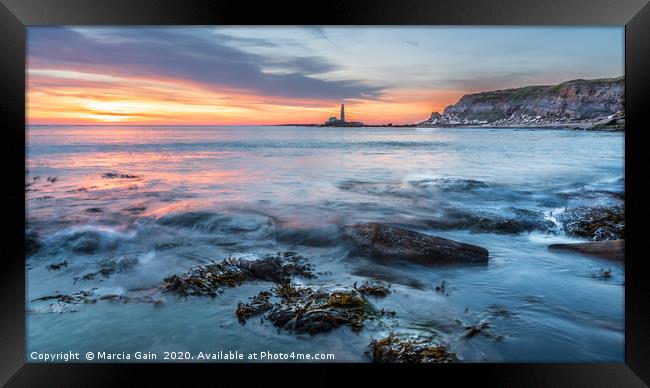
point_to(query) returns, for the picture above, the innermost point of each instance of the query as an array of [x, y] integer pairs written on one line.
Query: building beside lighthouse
[[340, 122]]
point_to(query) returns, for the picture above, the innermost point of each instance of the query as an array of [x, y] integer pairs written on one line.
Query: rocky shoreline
[[576, 104], [296, 299], [293, 307]]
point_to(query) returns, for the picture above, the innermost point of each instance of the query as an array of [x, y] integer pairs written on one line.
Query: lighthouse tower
[[342, 113]]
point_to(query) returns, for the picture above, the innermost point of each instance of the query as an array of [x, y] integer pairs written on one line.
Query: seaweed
[[310, 310], [305, 310], [208, 280], [58, 266], [260, 303], [404, 349]]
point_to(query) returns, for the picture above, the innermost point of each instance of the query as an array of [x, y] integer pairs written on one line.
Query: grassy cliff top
[[536, 90]]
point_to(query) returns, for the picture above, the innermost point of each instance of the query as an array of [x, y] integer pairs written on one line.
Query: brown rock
[[611, 249], [383, 242]]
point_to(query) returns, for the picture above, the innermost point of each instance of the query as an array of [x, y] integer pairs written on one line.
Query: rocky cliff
[[580, 103]]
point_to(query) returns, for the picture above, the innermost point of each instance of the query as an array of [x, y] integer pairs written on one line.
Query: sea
[[165, 199]]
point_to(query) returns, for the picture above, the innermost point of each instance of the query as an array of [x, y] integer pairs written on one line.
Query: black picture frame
[[16, 15]]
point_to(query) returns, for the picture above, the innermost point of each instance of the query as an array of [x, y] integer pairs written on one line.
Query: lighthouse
[[340, 122]]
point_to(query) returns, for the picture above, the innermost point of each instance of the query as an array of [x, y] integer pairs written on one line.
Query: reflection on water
[[175, 197]]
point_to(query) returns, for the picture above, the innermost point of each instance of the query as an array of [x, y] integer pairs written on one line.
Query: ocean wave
[[505, 220], [326, 235], [231, 145], [89, 239], [240, 222]]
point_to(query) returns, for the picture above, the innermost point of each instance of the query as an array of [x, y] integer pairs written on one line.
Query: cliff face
[[572, 101]]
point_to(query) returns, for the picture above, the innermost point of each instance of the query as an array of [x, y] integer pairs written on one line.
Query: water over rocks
[[32, 243], [388, 243], [90, 240], [60, 303], [507, 221], [414, 188], [230, 222], [373, 288], [110, 266], [596, 223]]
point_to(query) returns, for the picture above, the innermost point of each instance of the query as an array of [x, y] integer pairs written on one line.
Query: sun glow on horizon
[[72, 97], [292, 75]]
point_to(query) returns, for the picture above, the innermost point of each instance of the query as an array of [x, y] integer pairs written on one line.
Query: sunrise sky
[[274, 75]]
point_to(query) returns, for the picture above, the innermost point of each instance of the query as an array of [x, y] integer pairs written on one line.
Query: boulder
[[611, 249], [594, 222], [386, 243]]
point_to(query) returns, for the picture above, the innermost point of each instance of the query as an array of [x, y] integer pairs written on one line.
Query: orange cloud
[[72, 97]]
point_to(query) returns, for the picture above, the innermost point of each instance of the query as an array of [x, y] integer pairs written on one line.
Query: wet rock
[[388, 274], [168, 245], [192, 220], [90, 241], [52, 179], [387, 243], [508, 221], [88, 276], [605, 273], [594, 222], [209, 279], [123, 263], [441, 288], [136, 209], [117, 175], [404, 349], [94, 210], [373, 288], [84, 296], [84, 242], [114, 298], [324, 236], [238, 223], [498, 311], [611, 249], [32, 243], [62, 301], [472, 330], [260, 303], [58, 266], [109, 267], [81, 189]]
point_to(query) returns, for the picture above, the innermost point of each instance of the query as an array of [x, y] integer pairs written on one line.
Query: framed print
[[375, 183]]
